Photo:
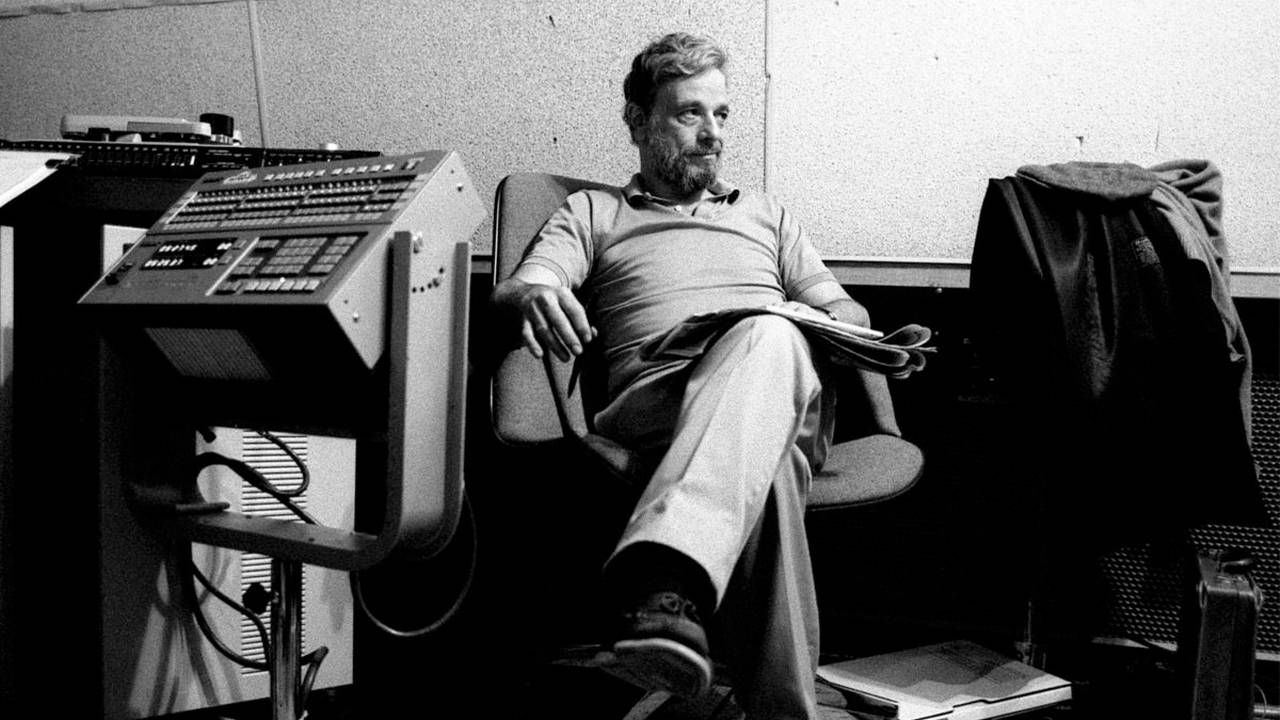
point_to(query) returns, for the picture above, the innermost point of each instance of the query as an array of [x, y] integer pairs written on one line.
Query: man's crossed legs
[[720, 526]]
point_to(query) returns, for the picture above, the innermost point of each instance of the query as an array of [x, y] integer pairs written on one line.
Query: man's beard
[[675, 168]]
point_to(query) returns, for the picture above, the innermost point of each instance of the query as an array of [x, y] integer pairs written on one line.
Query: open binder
[[957, 680]]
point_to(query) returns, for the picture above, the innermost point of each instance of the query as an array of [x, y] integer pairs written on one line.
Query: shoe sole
[[660, 664]]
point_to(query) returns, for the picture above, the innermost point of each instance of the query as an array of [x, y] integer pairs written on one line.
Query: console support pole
[[286, 634]]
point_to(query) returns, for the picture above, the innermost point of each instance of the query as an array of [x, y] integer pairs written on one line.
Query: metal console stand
[[384, 346], [286, 637]]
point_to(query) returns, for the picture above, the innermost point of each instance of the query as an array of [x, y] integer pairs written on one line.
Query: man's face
[[681, 143]]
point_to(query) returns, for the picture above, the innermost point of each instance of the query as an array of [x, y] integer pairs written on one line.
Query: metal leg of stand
[[286, 637]]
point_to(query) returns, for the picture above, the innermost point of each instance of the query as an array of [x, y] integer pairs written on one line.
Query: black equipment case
[[1219, 636]]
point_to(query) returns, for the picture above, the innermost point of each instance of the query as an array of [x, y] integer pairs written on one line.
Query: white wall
[[883, 120], [510, 85], [887, 118]]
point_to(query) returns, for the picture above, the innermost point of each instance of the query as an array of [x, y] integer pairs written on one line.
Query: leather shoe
[[662, 645]]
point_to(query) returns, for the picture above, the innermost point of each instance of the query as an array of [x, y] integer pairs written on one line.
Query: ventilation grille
[[209, 353], [278, 468], [1144, 589]]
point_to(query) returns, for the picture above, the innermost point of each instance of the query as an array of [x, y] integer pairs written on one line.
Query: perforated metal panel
[[276, 466], [1144, 587]]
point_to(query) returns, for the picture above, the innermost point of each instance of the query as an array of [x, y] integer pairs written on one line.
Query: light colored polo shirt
[[641, 265]]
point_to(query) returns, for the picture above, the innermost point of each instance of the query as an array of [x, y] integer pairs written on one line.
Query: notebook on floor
[[958, 680]]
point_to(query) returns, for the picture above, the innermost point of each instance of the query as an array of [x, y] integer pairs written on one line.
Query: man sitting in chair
[[716, 544]]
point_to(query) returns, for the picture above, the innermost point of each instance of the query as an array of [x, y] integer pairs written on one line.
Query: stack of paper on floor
[[957, 680]]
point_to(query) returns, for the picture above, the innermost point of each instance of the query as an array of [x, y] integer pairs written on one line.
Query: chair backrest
[[522, 405]]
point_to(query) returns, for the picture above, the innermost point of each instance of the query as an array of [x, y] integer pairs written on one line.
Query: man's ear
[[636, 119]]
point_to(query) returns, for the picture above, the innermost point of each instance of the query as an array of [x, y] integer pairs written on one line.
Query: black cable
[[189, 590], [316, 656], [297, 461], [357, 591], [251, 475], [312, 661]]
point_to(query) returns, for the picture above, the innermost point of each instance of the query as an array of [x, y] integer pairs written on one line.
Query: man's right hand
[[551, 317]]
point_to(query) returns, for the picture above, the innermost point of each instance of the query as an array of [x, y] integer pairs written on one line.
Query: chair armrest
[[618, 460]]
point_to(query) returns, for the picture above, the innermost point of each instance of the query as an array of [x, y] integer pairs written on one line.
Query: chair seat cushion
[[865, 470], [857, 472]]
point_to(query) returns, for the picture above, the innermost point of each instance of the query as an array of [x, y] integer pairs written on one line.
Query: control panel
[[248, 258], [267, 231]]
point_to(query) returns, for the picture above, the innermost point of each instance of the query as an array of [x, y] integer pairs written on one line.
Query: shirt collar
[[634, 192]]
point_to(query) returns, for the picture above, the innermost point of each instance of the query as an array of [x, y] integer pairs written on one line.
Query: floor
[[1121, 685]]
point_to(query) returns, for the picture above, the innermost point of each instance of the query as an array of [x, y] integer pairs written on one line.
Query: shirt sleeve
[[564, 244], [805, 277]]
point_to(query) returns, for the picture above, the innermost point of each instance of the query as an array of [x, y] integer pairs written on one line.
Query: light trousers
[[751, 423]]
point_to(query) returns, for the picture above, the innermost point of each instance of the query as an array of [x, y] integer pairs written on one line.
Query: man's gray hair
[[670, 57]]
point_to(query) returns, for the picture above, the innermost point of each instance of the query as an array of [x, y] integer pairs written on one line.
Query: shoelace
[[674, 604]]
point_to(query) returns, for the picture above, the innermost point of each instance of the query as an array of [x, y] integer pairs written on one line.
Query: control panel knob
[[219, 124]]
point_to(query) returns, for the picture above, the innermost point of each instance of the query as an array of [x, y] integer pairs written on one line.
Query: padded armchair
[[533, 402]]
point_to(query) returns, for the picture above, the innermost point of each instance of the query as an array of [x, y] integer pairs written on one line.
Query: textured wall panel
[[511, 86], [887, 118], [168, 61]]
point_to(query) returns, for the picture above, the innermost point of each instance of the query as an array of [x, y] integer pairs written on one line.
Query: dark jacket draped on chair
[[1100, 290]]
